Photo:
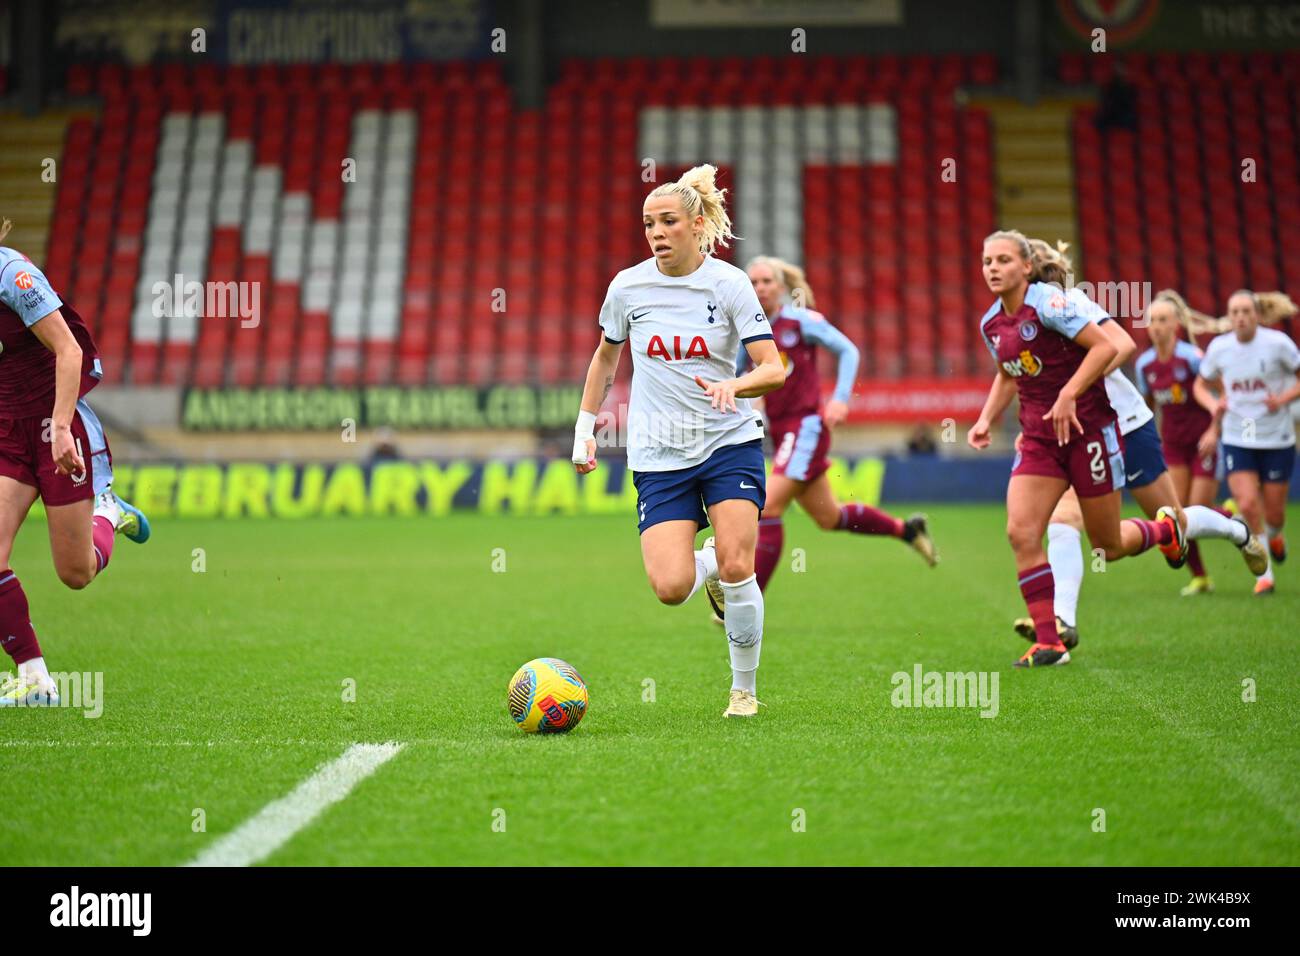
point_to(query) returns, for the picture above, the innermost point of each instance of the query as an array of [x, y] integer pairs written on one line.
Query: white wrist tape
[[583, 432], [586, 426]]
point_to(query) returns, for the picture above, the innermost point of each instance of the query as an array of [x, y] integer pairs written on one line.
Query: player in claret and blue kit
[[694, 443], [1145, 476], [52, 446], [1054, 359], [801, 428]]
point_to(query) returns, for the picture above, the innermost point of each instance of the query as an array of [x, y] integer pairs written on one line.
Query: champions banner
[[531, 487], [273, 31], [325, 31]]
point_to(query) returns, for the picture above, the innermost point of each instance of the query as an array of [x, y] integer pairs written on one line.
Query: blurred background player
[[694, 442], [1249, 377], [1165, 373], [1055, 359], [52, 446], [801, 428]]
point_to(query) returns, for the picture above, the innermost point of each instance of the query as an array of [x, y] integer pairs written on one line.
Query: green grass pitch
[[224, 689]]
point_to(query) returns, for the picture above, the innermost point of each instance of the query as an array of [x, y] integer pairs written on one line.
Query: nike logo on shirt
[[641, 316]]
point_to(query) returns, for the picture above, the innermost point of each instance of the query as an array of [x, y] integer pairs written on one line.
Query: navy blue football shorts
[[732, 471]]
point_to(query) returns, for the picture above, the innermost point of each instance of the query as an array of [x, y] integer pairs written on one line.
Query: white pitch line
[[272, 827]]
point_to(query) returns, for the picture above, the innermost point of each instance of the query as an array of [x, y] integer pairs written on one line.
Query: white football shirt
[[1249, 372], [678, 327], [1130, 407]]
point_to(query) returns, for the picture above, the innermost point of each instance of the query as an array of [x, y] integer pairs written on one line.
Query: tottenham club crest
[[1028, 330]]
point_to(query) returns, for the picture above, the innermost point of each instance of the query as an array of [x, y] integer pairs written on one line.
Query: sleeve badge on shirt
[[23, 280]]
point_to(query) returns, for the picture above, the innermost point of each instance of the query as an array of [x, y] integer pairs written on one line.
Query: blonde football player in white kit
[[694, 443], [1254, 371]]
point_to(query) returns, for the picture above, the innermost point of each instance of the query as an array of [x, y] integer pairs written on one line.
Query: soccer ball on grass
[[547, 696]]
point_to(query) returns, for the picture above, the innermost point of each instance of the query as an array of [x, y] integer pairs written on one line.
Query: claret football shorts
[[27, 455], [1093, 463]]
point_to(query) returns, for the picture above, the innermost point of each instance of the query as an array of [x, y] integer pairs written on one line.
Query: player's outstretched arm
[[1285, 397], [1202, 391], [600, 379], [831, 338], [1000, 395], [1207, 392], [768, 374], [1100, 355], [55, 335], [1125, 347]]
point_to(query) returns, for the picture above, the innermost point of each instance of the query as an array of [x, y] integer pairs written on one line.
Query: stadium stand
[[1171, 202], [440, 262]]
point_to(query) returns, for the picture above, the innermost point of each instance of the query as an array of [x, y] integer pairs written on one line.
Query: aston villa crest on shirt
[[1028, 330]]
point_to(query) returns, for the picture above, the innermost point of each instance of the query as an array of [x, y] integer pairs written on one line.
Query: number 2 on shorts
[[1098, 463]]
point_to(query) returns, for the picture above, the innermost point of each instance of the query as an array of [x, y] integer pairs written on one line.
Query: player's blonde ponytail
[[1274, 307], [5, 226], [1050, 264], [700, 196], [1271, 307], [1191, 320], [789, 275]]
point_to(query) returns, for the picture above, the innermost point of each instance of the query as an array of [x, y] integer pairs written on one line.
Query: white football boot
[[743, 704], [30, 691]]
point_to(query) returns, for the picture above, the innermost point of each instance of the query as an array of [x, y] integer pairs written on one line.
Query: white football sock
[[1203, 522], [1066, 559], [706, 566], [1272, 531], [34, 669], [106, 506], [744, 620]]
